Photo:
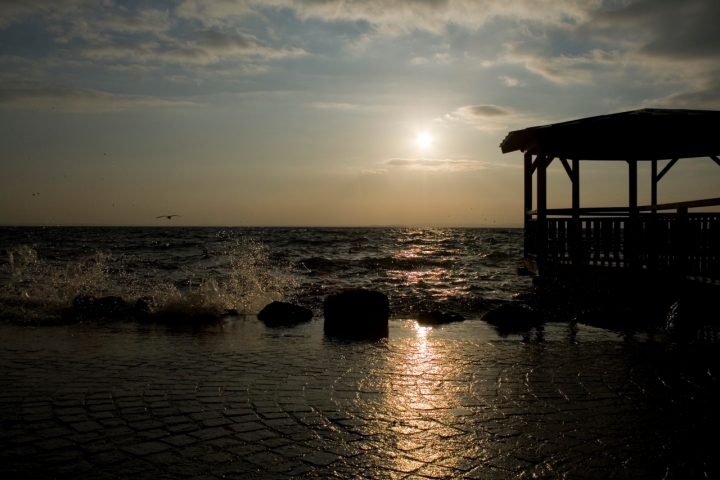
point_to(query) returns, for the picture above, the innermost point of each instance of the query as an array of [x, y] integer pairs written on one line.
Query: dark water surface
[[208, 270]]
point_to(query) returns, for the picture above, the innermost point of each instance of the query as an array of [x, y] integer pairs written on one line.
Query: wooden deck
[[678, 243]]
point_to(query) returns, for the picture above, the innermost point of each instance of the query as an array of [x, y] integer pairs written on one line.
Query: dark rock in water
[[357, 314], [85, 306], [283, 313], [511, 318], [522, 271], [110, 306], [436, 317], [142, 305]]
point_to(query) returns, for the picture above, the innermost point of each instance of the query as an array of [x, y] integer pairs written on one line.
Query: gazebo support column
[[528, 195], [631, 228], [652, 247], [542, 163], [653, 184], [682, 260], [576, 228]]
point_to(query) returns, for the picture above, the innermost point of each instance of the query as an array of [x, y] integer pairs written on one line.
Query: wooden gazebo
[[663, 238]]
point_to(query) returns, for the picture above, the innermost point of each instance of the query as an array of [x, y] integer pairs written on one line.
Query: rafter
[[666, 169], [568, 169]]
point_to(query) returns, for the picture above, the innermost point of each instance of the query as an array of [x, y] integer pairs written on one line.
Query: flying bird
[[168, 216]]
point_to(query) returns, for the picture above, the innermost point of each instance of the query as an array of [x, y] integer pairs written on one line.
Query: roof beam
[[568, 169], [666, 169], [547, 160]]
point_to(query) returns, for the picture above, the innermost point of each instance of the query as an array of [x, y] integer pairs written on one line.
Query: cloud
[[48, 97], [510, 81], [205, 48], [392, 17], [565, 69], [12, 11], [483, 111], [491, 118], [341, 106], [673, 43], [446, 164], [488, 117]]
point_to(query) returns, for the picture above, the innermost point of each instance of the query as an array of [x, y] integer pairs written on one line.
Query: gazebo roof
[[647, 134]]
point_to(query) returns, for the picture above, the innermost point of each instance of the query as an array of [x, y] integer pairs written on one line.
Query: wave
[[38, 290]]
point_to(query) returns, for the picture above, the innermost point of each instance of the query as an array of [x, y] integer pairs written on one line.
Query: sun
[[423, 140]]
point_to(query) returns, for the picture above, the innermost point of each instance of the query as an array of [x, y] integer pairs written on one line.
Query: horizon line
[[502, 225]]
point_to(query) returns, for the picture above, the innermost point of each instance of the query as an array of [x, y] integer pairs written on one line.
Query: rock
[[357, 314], [511, 318], [436, 317], [143, 305], [109, 306], [283, 313], [85, 306]]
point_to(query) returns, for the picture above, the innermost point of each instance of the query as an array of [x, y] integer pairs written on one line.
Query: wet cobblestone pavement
[[241, 401]]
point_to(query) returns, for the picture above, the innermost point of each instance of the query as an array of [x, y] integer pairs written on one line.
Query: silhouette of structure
[[660, 238]]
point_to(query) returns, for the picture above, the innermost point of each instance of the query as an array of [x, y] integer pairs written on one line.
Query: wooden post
[[652, 233], [631, 229], [653, 185], [682, 260], [541, 239], [527, 205], [576, 228]]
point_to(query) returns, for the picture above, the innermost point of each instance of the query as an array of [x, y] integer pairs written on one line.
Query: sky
[[329, 112]]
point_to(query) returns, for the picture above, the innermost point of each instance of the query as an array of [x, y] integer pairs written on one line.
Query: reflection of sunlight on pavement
[[421, 401]]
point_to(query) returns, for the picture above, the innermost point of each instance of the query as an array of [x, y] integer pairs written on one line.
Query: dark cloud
[[667, 28], [223, 41], [486, 110]]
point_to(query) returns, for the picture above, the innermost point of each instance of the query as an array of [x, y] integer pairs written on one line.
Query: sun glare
[[423, 140]]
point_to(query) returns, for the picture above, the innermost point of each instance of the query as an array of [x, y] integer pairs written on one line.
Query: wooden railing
[[679, 243]]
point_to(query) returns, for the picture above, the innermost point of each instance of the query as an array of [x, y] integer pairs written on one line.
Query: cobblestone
[[239, 401]]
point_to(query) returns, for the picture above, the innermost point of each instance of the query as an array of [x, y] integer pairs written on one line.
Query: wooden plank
[[653, 183], [542, 237], [666, 169], [575, 229], [528, 181], [583, 211], [575, 185], [528, 191], [708, 202]]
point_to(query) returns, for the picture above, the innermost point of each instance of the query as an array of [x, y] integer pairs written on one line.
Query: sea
[[205, 271]]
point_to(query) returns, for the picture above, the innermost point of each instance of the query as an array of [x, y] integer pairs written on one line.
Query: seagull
[[168, 216]]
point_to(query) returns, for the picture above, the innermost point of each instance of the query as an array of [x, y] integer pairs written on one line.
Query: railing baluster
[[665, 243]]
